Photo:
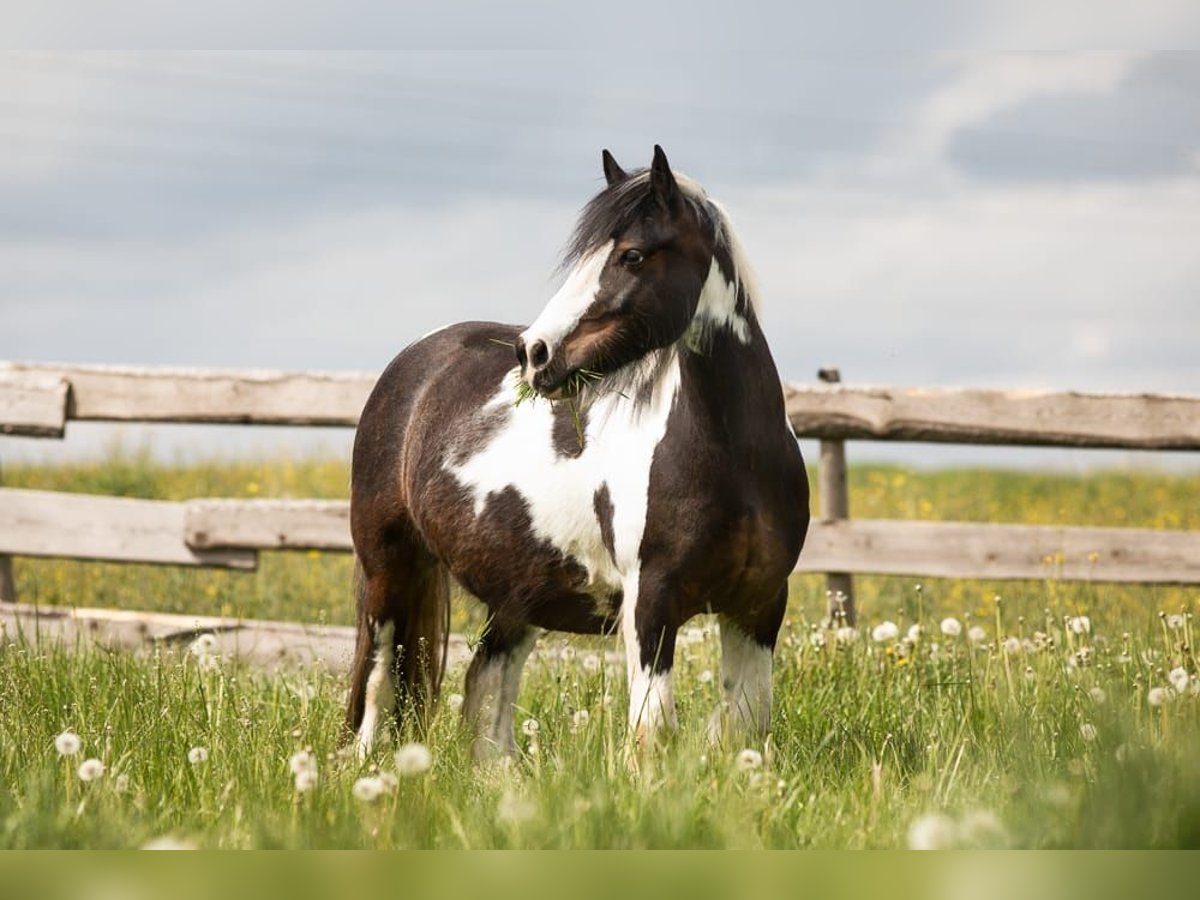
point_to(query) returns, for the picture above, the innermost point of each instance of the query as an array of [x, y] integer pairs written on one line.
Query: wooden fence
[[39, 400]]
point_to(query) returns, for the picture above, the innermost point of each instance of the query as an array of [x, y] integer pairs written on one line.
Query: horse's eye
[[632, 258]]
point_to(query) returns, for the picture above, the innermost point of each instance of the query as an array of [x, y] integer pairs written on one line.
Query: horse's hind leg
[[399, 656], [492, 683], [747, 650]]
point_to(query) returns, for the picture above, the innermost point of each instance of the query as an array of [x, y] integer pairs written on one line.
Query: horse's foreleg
[[649, 630], [746, 664], [492, 684]]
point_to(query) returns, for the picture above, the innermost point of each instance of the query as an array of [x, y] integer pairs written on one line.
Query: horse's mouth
[[566, 386]]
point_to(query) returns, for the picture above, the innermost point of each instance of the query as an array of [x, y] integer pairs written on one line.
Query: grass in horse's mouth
[[572, 388]]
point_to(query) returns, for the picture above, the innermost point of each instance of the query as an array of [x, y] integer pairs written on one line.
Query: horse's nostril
[[521, 356], [539, 354]]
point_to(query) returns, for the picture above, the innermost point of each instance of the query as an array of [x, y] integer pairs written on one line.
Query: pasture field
[[1056, 715]]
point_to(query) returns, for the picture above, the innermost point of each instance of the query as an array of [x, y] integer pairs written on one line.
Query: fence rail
[[39, 399]]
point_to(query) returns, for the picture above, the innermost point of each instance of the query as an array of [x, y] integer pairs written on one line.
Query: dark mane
[[617, 207]]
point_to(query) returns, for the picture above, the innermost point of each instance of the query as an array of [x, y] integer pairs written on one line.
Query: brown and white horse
[[654, 478]]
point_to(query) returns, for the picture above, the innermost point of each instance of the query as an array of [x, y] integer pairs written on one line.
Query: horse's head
[[636, 266]]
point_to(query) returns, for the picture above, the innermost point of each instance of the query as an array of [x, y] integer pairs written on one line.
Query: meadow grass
[[1037, 730]]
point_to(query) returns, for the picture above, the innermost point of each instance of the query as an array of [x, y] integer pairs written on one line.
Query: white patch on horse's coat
[[569, 302], [726, 236], [491, 692], [380, 694], [620, 439], [746, 676], [717, 309]]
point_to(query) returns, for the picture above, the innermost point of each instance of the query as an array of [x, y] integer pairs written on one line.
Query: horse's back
[[431, 386]]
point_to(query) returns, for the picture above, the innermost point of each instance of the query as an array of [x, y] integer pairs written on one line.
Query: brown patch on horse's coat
[[602, 504]]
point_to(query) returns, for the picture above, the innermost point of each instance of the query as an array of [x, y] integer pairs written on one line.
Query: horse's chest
[[591, 505]]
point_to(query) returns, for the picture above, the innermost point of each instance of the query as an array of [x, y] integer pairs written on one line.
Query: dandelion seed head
[[1088, 732], [306, 780], [68, 743], [579, 719], [817, 639], [706, 676], [1097, 694], [1157, 696], [914, 633], [1012, 646], [1179, 679], [932, 831], [367, 789], [885, 632], [530, 727], [198, 756], [748, 760], [168, 842], [1175, 621], [413, 759], [121, 783], [845, 635], [514, 809], [976, 634], [302, 761], [388, 782], [90, 769], [1079, 624], [951, 627], [454, 702]]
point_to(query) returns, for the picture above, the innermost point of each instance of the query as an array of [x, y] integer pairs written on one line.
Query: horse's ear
[[613, 173], [662, 181]]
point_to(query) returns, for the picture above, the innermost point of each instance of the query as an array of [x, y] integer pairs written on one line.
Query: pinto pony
[[649, 475]]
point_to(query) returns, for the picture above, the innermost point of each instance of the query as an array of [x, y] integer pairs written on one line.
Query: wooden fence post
[[835, 504], [8, 584]]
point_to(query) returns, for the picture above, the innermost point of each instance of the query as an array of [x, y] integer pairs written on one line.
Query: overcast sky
[[997, 220]]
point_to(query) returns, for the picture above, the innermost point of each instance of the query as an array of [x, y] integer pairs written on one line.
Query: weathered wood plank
[[32, 404], [121, 394], [268, 524], [119, 529], [971, 550], [967, 416], [949, 549]]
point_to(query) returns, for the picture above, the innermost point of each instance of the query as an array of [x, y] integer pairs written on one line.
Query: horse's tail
[[403, 639]]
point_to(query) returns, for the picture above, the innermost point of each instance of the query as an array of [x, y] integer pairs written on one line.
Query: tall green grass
[[1036, 732]]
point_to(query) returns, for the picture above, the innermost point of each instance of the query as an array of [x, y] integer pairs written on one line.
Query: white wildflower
[[530, 727], [302, 761], [413, 759], [68, 743], [206, 651], [90, 769], [914, 633], [1079, 624], [567, 653], [579, 719], [1097, 694], [1157, 696], [1179, 679], [198, 756], [1087, 731], [1012, 646], [1030, 674], [388, 782], [168, 842], [454, 702], [591, 662], [932, 831], [368, 789], [976, 635], [951, 627], [706, 676], [748, 760], [1175, 621], [817, 639], [306, 780], [514, 808], [846, 635], [884, 632]]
